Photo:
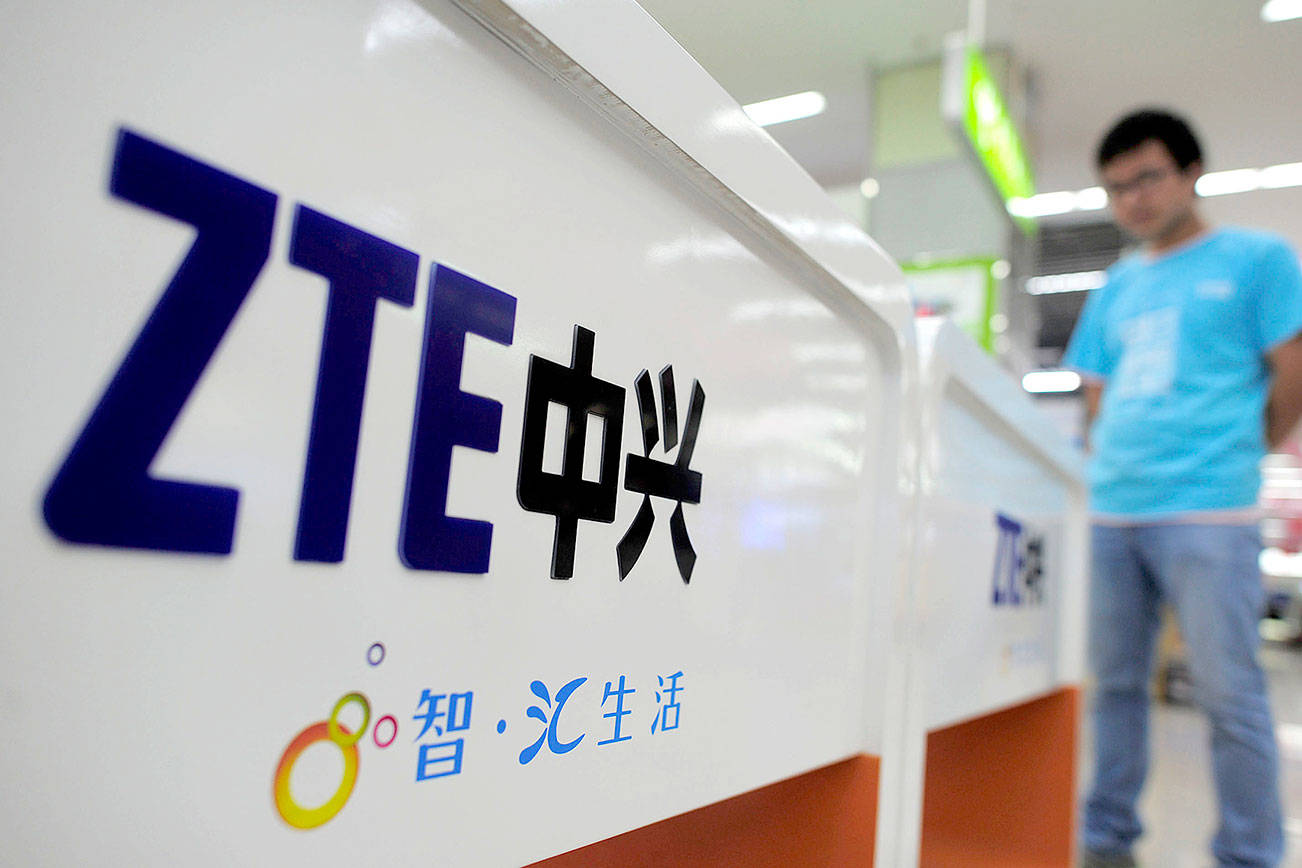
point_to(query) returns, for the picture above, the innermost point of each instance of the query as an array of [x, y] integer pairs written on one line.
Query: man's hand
[[1284, 405], [1093, 396]]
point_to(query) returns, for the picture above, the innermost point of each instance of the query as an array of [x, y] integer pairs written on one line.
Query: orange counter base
[[824, 817], [999, 791]]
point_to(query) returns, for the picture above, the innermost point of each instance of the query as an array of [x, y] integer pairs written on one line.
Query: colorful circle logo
[[345, 740], [291, 811]]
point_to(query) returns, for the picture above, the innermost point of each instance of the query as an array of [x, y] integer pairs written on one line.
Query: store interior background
[[881, 150]]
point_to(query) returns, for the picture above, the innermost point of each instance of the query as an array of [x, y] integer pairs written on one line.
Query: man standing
[[1192, 358]]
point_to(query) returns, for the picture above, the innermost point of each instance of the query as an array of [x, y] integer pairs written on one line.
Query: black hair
[[1151, 124]]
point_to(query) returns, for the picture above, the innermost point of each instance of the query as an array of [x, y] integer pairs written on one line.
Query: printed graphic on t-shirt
[[1147, 364], [1219, 290]]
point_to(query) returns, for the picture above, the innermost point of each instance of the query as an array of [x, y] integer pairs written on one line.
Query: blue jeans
[[1209, 574]]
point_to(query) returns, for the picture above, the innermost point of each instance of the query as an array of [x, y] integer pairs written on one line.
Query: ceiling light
[[1281, 10], [1224, 183], [1000, 269], [870, 188], [1092, 199], [1076, 281], [1284, 175], [1044, 382], [1043, 204], [786, 108], [1211, 184]]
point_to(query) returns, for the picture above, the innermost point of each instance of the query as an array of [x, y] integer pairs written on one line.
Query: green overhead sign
[[975, 103]]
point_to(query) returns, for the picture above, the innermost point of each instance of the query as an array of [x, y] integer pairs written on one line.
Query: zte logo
[[104, 495], [1019, 564]]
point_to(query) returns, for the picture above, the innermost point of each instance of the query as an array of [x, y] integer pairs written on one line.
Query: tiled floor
[[1178, 808]]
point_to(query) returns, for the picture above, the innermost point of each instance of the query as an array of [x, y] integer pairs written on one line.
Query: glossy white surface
[[147, 697], [986, 450], [705, 123]]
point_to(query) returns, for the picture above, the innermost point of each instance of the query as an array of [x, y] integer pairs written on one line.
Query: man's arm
[[1093, 390], [1284, 404]]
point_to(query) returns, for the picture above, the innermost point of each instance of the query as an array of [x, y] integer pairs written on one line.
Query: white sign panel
[[403, 463], [999, 585]]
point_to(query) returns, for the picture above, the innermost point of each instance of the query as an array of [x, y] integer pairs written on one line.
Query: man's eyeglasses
[[1141, 183]]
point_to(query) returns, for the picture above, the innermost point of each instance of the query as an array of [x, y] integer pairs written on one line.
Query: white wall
[[1275, 210]]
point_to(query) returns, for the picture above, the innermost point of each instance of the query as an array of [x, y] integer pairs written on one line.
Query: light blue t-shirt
[[1180, 342]]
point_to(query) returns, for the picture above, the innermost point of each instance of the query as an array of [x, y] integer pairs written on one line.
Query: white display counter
[[341, 527], [998, 629]]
